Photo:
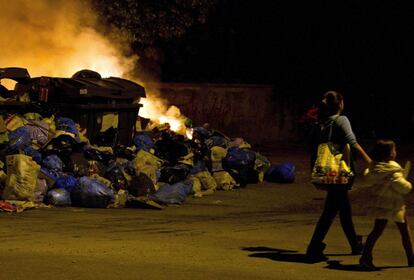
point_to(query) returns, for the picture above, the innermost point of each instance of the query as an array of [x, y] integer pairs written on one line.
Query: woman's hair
[[382, 150], [330, 105]]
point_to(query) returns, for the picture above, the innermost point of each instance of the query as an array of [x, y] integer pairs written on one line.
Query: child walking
[[389, 187]]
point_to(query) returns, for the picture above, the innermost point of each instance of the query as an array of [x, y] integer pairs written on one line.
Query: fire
[[158, 111], [58, 38]]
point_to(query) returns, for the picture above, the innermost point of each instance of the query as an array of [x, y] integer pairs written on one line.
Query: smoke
[[57, 38], [60, 37]]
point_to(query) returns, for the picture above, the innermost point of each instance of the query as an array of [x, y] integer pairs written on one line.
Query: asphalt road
[[258, 232]]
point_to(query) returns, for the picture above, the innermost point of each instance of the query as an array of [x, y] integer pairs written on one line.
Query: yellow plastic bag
[[148, 164], [14, 122], [207, 181], [330, 168], [224, 180], [22, 172]]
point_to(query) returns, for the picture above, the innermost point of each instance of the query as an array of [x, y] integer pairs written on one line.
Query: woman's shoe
[[367, 264], [314, 253], [359, 247]]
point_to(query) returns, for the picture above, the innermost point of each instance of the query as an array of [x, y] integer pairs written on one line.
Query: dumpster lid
[[83, 84], [18, 74], [87, 87]]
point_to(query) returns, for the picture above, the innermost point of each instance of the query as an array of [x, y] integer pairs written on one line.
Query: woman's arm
[[363, 154], [350, 138]]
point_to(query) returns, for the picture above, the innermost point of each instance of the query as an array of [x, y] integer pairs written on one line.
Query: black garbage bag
[[92, 193], [142, 202], [199, 149], [107, 138], [174, 174], [63, 146], [117, 175], [93, 154], [78, 164], [122, 151], [169, 149], [141, 185], [240, 176]]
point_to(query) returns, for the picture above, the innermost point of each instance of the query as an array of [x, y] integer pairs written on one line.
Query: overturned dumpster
[[95, 103]]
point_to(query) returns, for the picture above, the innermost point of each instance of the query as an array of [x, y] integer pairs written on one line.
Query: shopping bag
[[331, 169]]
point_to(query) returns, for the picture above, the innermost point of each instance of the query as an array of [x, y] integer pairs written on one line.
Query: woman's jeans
[[336, 201]]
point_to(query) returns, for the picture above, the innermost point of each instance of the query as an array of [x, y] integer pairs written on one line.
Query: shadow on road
[[277, 254], [355, 267]]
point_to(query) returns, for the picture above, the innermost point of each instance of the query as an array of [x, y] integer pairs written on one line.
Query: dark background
[[362, 48]]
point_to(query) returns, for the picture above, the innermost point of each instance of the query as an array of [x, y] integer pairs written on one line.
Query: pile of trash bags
[[47, 160]]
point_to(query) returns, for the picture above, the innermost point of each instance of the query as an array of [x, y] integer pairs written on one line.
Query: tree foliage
[[148, 22]]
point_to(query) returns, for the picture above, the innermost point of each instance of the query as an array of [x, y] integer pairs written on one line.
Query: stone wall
[[256, 113]]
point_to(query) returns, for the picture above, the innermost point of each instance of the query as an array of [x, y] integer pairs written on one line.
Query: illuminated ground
[[259, 232]]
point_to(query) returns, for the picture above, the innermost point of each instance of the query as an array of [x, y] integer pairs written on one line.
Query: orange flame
[[157, 110]]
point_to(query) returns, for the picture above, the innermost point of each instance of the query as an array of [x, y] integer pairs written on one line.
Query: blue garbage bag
[[201, 131], [216, 140], [239, 158], [58, 197], [53, 162], [51, 174], [19, 138], [68, 125], [144, 142], [282, 173], [33, 153], [66, 182], [92, 193], [173, 194], [199, 165]]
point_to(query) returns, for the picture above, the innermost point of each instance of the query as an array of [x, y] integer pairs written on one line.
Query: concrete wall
[[254, 112]]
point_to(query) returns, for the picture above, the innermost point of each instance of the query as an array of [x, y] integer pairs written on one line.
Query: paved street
[[259, 232]]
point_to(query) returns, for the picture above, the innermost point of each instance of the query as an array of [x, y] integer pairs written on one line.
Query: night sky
[[362, 48]]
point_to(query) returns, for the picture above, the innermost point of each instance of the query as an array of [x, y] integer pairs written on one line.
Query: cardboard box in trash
[[94, 102]]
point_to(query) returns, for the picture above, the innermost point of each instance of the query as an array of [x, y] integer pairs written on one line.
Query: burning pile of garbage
[[47, 158]]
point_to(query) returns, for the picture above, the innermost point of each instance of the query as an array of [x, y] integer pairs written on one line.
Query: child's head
[[384, 150]]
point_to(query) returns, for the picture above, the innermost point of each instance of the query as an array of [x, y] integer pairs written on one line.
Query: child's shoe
[[411, 261]]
